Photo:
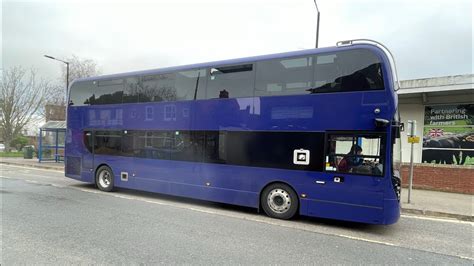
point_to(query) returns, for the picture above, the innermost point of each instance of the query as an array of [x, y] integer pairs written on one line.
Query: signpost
[[412, 139]]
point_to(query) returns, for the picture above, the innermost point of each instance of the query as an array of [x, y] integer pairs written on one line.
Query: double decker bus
[[311, 132]]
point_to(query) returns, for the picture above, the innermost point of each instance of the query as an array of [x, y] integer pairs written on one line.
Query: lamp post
[[67, 70], [317, 26]]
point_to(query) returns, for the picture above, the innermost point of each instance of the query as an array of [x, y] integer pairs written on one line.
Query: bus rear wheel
[[279, 201], [104, 178]]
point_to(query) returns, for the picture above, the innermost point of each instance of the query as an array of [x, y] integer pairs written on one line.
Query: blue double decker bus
[[311, 132]]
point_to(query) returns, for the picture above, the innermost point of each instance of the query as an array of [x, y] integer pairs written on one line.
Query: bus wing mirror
[[214, 71]]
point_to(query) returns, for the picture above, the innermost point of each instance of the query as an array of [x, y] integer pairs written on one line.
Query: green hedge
[[11, 154]]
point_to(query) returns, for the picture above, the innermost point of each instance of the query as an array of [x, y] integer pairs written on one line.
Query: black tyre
[[279, 201], [104, 178]]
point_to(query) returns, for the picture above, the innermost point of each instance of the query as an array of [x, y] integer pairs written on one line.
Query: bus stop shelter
[[51, 141]]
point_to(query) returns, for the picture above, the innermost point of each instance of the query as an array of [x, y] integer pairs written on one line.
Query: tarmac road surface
[[47, 218]]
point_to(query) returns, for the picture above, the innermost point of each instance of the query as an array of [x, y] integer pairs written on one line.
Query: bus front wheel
[[104, 178], [279, 201]]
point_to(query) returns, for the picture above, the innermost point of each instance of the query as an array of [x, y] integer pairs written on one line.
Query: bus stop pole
[[56, 151], [412, 137], [410, 185], [40, 148]]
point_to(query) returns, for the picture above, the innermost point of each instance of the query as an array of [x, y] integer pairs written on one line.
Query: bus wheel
[[104, 178], [279, 201]]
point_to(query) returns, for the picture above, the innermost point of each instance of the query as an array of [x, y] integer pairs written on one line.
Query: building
[[444, 110]]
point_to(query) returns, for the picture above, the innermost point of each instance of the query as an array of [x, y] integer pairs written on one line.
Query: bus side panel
[[218, 182], [392, 205], [350, 111], [345, 211], [243, 198], [178, 179], [366, 203], [392, 211], [185, 179], [213, 182]]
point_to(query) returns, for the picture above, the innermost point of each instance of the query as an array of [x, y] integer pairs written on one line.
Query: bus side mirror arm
[[397, 127], [379, 122]]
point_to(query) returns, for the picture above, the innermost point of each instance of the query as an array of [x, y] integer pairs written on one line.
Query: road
[[47, 218]]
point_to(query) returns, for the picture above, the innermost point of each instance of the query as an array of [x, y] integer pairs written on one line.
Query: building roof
[[438, 84], [54, 125]]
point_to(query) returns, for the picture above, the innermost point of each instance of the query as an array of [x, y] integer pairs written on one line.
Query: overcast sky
[[428, 37]]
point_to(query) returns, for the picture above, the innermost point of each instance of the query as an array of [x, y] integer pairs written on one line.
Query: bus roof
[[242, 60]]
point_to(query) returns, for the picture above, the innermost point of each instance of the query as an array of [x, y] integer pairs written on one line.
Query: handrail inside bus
[[391, 57]]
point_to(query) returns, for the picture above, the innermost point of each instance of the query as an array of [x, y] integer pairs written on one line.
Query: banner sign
[[448, 134], [449, 115]]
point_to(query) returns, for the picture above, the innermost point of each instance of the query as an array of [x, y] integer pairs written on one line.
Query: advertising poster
[[448, 134]]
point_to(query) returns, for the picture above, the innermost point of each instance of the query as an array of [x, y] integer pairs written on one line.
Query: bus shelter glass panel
[[51, 145], [47, 154]]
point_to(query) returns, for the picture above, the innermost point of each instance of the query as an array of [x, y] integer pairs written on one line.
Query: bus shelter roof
[[54, 125]]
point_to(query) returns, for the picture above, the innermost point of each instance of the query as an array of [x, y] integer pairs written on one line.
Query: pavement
[[422, 202], [32, 163]]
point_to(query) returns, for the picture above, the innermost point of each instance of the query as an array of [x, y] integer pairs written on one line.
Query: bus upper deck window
[[353, 70], [230, 81], [287, 76]]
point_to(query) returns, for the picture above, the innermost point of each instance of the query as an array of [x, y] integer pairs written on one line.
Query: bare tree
[[21, 97], [78, 68], [56, 95], [54, 99]]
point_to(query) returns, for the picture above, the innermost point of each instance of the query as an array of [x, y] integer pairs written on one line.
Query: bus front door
[[353, 184]]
